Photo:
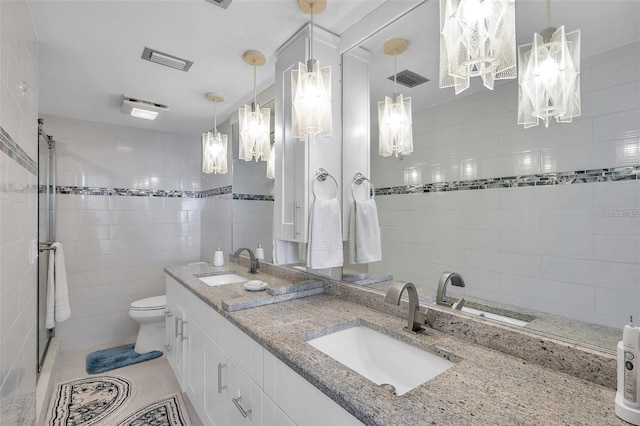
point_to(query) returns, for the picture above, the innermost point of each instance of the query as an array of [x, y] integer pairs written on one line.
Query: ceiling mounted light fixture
[[477, 39], [255, 122], [214, 144], [311, 88], [549, 77], [142, 109], [394, 114]]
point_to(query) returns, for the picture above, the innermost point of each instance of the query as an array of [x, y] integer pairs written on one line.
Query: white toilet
[[149, 313]]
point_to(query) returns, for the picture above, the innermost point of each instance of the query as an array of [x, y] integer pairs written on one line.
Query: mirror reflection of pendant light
[[214, 144], [477, 39], [549, 78], [271, 163], [394, 114], [311, 88], [255, 122]]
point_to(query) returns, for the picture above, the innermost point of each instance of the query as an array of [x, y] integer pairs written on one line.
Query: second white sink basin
[[213, 280], [381, 358]]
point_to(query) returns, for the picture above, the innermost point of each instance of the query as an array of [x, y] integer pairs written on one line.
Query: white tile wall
[[18, 216], [116, 246], [571, 250]]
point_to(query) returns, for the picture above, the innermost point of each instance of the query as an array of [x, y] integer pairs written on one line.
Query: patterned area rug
[[169, 411], [88, 401]]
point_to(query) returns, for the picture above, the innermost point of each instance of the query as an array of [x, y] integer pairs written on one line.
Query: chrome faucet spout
[[456, 280], [415, 318], [254, 263]]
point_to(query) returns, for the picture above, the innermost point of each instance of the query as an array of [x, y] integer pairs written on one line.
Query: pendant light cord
[[395, 74], [311, 33], [215, 118], [255, 96], [548, 13]]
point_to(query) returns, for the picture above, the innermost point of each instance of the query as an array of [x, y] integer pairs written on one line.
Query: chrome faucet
[[415, 319], [441, 297], [254, 265]]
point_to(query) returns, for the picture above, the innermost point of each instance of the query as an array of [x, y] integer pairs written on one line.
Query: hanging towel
[[364, 233], [324, 249], [58, 308]]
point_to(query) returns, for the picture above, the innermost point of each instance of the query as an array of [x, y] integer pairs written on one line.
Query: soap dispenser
[[259, 252], [627, 396], [218, 257]]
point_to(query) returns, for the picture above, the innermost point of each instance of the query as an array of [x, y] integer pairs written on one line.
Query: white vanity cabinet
[[297, 160], [230, 379]]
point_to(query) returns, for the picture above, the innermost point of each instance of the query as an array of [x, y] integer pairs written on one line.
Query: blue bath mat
[[112, 358]]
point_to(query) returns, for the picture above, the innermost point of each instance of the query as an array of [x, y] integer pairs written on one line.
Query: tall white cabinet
[[230, 379]]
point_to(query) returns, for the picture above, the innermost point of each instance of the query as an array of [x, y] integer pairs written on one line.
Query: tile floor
[[152, 380]]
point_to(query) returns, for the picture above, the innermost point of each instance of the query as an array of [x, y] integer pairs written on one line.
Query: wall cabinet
[[230, 379]]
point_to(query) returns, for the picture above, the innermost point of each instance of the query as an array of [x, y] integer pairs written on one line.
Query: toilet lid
[[150, 303]]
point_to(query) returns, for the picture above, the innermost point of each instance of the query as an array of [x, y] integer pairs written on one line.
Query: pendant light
[[477, 39], [214, 144], [394, 114], [311, 88], [255, 122], [549, 78]]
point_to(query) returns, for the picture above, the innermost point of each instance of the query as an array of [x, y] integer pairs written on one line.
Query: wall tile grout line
[[15, 152]]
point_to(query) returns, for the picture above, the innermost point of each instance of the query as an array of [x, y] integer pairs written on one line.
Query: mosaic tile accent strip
[[14, 151], [126, 192], [253, 197], [560, 178], [216, 191]]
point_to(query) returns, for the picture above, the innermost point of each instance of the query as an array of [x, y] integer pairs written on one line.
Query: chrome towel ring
[[358, 179], [322, 175]]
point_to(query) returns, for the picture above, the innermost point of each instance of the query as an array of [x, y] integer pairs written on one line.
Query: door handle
[[182, 336], [220, 367], [175, 329]]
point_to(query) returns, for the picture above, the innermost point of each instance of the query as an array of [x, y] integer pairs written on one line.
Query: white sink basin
[[213, 280], [497, 317], [381, 358]]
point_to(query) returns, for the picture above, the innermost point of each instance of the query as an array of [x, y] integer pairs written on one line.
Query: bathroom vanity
[[234, 350]]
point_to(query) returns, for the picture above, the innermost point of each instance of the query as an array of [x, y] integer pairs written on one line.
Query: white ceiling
[[90, 50]]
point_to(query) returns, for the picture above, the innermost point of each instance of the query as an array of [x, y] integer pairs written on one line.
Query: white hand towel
[[324, 249], [285, 252], [364, 233], [58, 307]]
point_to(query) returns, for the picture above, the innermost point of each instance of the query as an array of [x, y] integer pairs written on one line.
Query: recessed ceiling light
[[142, 109], [166, 59]]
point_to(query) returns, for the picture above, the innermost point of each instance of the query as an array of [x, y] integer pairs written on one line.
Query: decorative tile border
[[14, 151], [560, 178], [253, 197], [216, 191]]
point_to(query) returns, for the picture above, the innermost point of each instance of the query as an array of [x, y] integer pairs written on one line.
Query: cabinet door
[[194, 365], [272, 415], [290, 190], [179, 352], [216, 386]]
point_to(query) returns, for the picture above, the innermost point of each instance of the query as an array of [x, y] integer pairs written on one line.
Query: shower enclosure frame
[[45, 246]]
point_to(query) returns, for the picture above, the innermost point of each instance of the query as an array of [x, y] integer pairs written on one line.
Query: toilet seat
[[150, 304]]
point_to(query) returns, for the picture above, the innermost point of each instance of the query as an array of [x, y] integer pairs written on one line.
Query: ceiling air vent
[[166, 59], [222, 3], [409, 78], [142, 109]]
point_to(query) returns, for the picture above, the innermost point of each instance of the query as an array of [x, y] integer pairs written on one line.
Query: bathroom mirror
[[474, 197]]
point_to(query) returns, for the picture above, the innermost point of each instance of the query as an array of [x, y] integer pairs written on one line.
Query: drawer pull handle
[[244, 412], [182, 336], [220, 367], [175, 328]]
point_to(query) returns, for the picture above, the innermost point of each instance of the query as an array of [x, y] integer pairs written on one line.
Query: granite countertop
[[484, 386]]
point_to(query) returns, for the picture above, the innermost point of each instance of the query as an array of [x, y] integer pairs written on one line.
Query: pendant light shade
[[394, 114], [477, 39], [311, 88], [254, 122], [214, 144], [549, 78]]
